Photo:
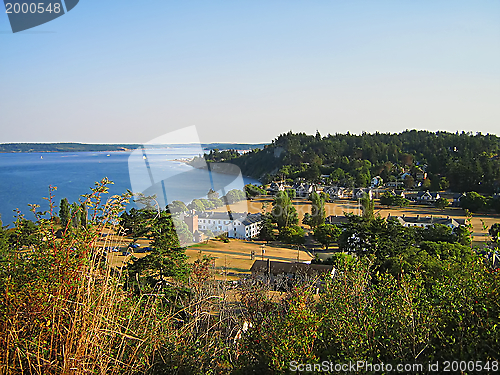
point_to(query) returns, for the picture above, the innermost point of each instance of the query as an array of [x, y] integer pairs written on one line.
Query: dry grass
[[100, 328], [233, 259], [339, 207]]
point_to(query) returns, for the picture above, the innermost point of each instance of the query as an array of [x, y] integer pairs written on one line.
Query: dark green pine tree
[[283, 212], [326, 234], [75, 215], [318, 213], [167, 261], [64, 212], [83, 215], [267, 229]]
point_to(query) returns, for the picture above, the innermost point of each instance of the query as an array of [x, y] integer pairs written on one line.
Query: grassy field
[[340, 207], [233, 259]]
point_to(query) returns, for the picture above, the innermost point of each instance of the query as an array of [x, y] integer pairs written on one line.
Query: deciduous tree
[[326, 234]]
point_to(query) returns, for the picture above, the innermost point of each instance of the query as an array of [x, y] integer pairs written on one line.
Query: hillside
[[63, 147], [459, 161], [77, 147]]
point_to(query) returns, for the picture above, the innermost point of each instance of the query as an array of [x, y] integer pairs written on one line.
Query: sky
[[246, 71]]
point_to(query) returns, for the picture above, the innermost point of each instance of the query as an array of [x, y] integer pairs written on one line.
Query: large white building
[[428, 221], [239, 225]]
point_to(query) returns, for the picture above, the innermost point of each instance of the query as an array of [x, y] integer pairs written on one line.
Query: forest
[[460, 162]]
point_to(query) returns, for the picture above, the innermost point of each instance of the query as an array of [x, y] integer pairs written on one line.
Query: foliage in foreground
[[64, 309]]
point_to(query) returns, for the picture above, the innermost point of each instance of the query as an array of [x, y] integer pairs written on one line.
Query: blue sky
[[245, 71]]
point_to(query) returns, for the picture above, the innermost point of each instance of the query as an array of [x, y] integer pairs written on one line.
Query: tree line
[[461, 162]]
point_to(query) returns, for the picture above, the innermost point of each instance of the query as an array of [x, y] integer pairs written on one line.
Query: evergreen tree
[[267, 229], [326, 234], [217, 202], [75, 215], [494, 232], [182, 231], [292, 194], [318, 212], [83, 215], [368, 208], [234, 196], [473, 202], [64, 212], [293, 235], [196, 205], [134, 222], [177, 206], [460, 162], [167, 260], [306, 220], [462, 235], [284, 213], [441, 203]]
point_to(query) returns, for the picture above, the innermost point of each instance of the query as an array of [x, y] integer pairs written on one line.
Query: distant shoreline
[[18, 148], [87, 147]]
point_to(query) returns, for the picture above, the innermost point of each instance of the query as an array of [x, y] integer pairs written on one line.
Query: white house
[[427, 197], [362, 193], [239, 225], [428, 221], [303, 190], [276, 187], [394, 184], [335, 192], [245, 228], [400, 193]]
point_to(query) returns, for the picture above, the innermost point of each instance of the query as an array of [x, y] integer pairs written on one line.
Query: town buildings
[[237, 225]]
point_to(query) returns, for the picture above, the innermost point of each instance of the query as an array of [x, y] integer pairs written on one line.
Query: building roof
[[224, 215], [427, 193], [252, 218], [430, 220], [277, 268], [334, 219]]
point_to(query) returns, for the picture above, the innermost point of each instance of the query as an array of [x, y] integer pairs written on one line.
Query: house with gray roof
[[335, 192], [337, 220], [457, 198], [284, 274], [428, 221], [360, 193], [427, 197]]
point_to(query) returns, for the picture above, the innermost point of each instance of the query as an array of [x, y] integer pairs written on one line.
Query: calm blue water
[[25, 177]]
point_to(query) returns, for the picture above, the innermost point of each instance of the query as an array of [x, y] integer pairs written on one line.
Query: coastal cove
[[25, 177]]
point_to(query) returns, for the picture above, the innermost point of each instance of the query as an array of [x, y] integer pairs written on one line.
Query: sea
[[25, 178]]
